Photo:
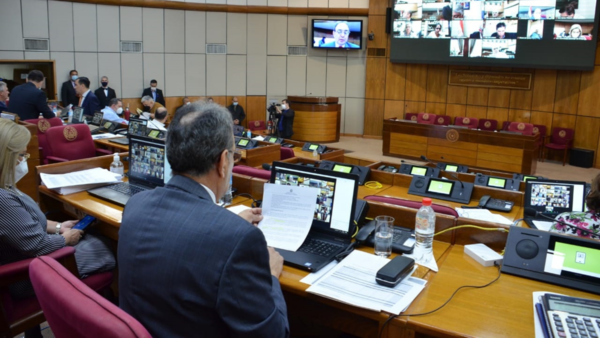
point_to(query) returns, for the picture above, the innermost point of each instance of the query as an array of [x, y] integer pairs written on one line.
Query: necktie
[[154, 96]]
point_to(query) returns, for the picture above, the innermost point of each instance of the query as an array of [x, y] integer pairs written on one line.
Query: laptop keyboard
[[126, 188], [319, 248]]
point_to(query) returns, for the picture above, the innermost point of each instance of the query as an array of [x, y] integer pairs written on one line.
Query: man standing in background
[[88, 100], [67, 93], [105, 93], [28, 101], [155, 93], [237, 112]]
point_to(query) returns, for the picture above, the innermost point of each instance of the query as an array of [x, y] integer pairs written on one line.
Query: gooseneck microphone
[[266, 166]]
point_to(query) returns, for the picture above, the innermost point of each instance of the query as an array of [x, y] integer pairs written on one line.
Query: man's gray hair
[[147, 98], [2, 86], [114, 101], [197, 136]]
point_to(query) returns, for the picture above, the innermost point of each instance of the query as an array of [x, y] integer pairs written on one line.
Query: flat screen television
[[332, 34], [556, 34]]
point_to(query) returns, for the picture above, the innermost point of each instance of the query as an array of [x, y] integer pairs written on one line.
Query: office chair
[[411, 116], [520, 127], [469, 122], [487, 124], [426, 118], [442, 120], [256, 125], [286, 153], [19, 315], [561, 139], [440, 209], [43, 125], [74, 310], [72, 142]]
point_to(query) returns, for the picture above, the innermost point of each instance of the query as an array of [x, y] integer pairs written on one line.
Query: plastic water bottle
[[70, 119], [117, 166], [228, 197], [249, 133], [315, 153], [424, 230]]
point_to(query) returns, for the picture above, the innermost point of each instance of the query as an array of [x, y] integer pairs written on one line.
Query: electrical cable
[[471, 226], [445, 303], [373, 185]]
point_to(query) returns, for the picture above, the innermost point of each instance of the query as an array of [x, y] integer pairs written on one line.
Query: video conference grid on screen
[[492, 29]]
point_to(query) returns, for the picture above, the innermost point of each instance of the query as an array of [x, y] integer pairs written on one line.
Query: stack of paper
[[77, 181], [483, 215]]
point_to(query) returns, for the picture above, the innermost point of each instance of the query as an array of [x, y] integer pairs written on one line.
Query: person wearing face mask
[[185, 101], [155, 93], [231, 286], [285, 125], [150, 105], [105, 93], [24, 230], [113, 111], [28, 101], [67, 92], [237, 111]]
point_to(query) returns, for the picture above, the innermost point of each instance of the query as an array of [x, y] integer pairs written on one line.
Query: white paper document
[[238, 208], [288, 213], [352, 281], [258, 138], [483, 215], [106, 135], [79, 180], [543, 225]]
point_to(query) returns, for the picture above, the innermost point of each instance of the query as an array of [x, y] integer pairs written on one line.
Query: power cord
[[373, 185], [445, 303], [471, 226]]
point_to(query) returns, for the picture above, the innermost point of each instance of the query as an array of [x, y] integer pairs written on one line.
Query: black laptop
[[148, 169], [551, 198], [136, 127], [333, 223]]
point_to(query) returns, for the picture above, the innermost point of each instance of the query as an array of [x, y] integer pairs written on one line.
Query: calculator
[[570, 317]]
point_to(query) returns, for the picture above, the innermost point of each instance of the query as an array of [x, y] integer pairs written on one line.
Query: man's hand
[[253, 215], [236, 121], [72, 237], [64, 226], [276, 262]]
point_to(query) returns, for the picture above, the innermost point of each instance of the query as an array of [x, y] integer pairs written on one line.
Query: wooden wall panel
[[416, 82], [457, 94], [590, 127], [437, 83], [414, 107], [373, 117], [479, 112], [393, 109], [256, 108], [377, 7], [377, 26], [395, 81], [544, 89], [589, 96], [543, 118], [435, 108], [454, 110], [477, 96], [563, 121], [519, 115], [499, 98], [520, 99], [567, 92], [375, 78], [499, 114]]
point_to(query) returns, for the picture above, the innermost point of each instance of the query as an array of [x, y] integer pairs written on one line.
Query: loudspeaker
[[481, 179], [582, 158], [388, 20]]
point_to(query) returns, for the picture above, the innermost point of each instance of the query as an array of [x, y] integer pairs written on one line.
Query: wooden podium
[[317, 119]]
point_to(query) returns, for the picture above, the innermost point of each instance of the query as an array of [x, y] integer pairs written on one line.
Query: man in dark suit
[[237, 111], [105, 93], [3, 96], [28, 101], [88, 100], [285, 114], [67, 92], [188, 267], [155, 93]]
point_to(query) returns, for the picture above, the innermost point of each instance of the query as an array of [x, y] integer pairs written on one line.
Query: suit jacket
[[90, 104], [288, 123], [346, 45], [237, 113], [188, 267], [28, 102], [3, 106], [159, 95], [68, 95], [104, 100]]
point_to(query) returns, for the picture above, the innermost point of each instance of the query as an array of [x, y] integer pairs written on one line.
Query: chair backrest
[[256, 125], [411, 116], [562, 135], [412, 204], [43, 125], [469, 122], [286, 153], [487, 124], [521, 127], [442, 120], [73, 309], [540, 129], [505, 125], [72, 142], [252, 172], [426, 118]]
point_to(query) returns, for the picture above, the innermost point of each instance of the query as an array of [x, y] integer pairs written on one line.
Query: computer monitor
[[77, 115], [148, 161], [97, 119], [555, 197], [137, 127]]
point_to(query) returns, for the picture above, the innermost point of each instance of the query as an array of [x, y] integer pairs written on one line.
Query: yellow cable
[[373, 185], [471, 226]]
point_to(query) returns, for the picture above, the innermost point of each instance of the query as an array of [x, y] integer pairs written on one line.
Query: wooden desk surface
[[106, 144], [503, 309]]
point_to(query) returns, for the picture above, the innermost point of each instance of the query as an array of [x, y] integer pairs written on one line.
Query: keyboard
[[320, 248], [126, 188]]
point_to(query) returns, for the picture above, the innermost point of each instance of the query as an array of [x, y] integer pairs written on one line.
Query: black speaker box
[[581, 158], [388, 20]]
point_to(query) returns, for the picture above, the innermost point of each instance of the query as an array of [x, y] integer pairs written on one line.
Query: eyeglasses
[[25, 156], [339, 31]]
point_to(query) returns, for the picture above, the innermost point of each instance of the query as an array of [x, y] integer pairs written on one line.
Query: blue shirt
[[111, 115]]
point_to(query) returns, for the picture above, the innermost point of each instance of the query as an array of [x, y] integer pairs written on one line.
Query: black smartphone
[[84, 222]]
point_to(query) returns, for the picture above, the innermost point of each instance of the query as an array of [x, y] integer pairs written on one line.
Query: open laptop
[[136, 127], [333, 222], [148, 169], [552, 198], [96, 121]]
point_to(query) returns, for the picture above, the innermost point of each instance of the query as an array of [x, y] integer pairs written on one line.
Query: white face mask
[[283, 106], [21, 171], [119, 111], [153, 89]]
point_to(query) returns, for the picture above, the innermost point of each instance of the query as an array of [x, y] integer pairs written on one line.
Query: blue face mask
[[74, 77], [235, 103]]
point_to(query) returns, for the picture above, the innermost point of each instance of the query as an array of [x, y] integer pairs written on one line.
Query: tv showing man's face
[[341, 33]]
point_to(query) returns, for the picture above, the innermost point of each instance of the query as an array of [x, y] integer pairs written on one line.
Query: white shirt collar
[[211, 193], [85, 94]]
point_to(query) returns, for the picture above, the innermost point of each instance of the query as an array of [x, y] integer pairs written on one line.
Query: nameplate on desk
[[486, 79]]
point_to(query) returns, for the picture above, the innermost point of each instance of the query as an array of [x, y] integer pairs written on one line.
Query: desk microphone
[[266, 166], [426, 159], [531, 212], [456, 178]]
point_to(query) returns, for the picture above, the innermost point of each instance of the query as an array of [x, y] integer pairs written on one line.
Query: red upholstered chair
[[426, 118], [43, 125], [286, 153], [252, 172], [256, 125], [74, 310], [469, 122], [72, 142], [487, 124], [561, 139], [442, 120], [411, 116], [505, 125], [18, 315], [412, 204], [521, 127], [540, 129]]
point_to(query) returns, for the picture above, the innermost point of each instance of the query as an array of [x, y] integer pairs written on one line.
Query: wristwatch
[[58, 225]]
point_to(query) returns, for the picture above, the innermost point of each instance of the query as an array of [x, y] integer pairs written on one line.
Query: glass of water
[[384, 233]]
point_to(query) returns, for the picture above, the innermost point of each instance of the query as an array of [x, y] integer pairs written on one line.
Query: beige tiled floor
[[371, 149]]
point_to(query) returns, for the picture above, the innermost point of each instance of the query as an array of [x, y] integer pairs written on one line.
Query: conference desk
[[106, 144], [476, 148]]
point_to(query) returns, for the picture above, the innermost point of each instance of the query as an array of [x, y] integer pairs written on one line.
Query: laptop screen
[[137, 127], [336, 200], [555, 197], [147, 162], [77, 114], [97, 119]]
